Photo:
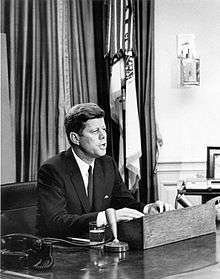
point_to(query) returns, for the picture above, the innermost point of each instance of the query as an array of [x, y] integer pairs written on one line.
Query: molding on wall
[[181, 166], [170, 184]]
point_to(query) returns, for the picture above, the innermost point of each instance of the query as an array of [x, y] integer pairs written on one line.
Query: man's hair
[[77, 116]]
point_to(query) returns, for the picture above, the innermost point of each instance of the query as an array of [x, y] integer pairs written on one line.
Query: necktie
[[90, 185]]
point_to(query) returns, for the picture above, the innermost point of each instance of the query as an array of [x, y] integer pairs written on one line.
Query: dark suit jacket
[[63, 205]]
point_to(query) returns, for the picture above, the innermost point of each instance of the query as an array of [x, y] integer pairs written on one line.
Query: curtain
[[102, 76], [7, 141], [76, 52], [51, 66], [145, 89], [21, 23]]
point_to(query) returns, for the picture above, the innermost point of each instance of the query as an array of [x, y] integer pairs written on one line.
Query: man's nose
[[102, 134]]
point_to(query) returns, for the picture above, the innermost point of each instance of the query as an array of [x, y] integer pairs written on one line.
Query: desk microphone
[[182, 200], [115, 245]]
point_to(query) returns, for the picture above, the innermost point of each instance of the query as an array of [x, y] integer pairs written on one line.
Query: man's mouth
[[102, 146]]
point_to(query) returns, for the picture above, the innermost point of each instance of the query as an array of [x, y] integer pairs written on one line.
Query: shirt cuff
[[101, 219], [146, 208]]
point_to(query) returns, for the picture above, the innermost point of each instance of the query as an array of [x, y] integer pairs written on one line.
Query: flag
[[123, 95], [132, 125], [116, 105]]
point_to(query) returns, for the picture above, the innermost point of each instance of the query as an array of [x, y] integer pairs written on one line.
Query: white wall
[[188, 118]]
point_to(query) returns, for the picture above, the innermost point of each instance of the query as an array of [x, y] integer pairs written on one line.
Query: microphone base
[[116, 247]]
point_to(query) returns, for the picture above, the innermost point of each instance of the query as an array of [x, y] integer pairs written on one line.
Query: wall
[[188, 118]]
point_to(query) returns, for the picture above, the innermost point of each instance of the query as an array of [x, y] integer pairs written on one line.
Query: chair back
[[19, 207]]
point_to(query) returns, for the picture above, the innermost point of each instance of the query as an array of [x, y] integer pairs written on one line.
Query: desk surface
[[185, 256]]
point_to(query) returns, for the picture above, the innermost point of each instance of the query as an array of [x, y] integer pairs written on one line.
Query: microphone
[[115, 245], [111, 219], [182, 200]]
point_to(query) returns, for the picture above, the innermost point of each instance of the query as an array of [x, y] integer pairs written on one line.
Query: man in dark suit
[[66, 202]]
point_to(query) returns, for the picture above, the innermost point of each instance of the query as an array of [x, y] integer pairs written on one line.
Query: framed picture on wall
[[213, 162], [217, 166], [190, 72]]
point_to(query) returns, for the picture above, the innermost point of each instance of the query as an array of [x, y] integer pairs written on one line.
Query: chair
[[18, 207]]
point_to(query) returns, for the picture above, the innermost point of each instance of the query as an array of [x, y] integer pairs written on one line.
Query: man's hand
[[127, 214], [157, 207]]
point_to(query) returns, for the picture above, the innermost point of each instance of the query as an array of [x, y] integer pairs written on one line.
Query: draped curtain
[[48, 72], [146, 98], [77, 67]]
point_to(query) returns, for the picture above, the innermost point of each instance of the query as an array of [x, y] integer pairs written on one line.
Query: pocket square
[[106, 197]]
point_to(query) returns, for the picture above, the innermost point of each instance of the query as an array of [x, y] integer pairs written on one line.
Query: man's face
[[93, 139]]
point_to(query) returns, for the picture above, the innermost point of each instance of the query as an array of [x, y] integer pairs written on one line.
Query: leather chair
[[19, 207]]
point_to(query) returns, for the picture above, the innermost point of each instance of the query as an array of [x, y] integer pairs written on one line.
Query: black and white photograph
[[110, 139]]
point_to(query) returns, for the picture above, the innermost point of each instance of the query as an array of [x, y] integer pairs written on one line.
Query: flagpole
[[123, 100]]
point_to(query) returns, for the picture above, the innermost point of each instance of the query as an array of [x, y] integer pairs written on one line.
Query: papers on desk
[[70, 241], [79, 241], [73, 241], [202, 184]]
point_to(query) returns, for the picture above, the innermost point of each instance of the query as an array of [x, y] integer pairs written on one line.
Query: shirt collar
[[82, 165]]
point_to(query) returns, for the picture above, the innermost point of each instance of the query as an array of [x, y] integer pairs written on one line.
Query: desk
[[159, 262]]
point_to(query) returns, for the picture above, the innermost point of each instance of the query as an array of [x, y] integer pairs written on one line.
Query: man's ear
[[74, 138]]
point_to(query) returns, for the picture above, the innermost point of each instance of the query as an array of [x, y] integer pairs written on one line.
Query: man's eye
[[94, 131], [97, 131]]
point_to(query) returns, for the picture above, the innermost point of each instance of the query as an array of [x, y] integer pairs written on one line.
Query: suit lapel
[[99, 185], [77, 179]]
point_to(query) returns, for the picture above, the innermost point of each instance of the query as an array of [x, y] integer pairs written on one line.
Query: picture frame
[[190, 71], [216, 166], [213, 159]]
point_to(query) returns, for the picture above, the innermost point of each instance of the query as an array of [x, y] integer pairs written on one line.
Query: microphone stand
[[115, 245]]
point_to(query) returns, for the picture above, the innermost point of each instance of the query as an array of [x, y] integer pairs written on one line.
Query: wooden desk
[[159, 262]]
